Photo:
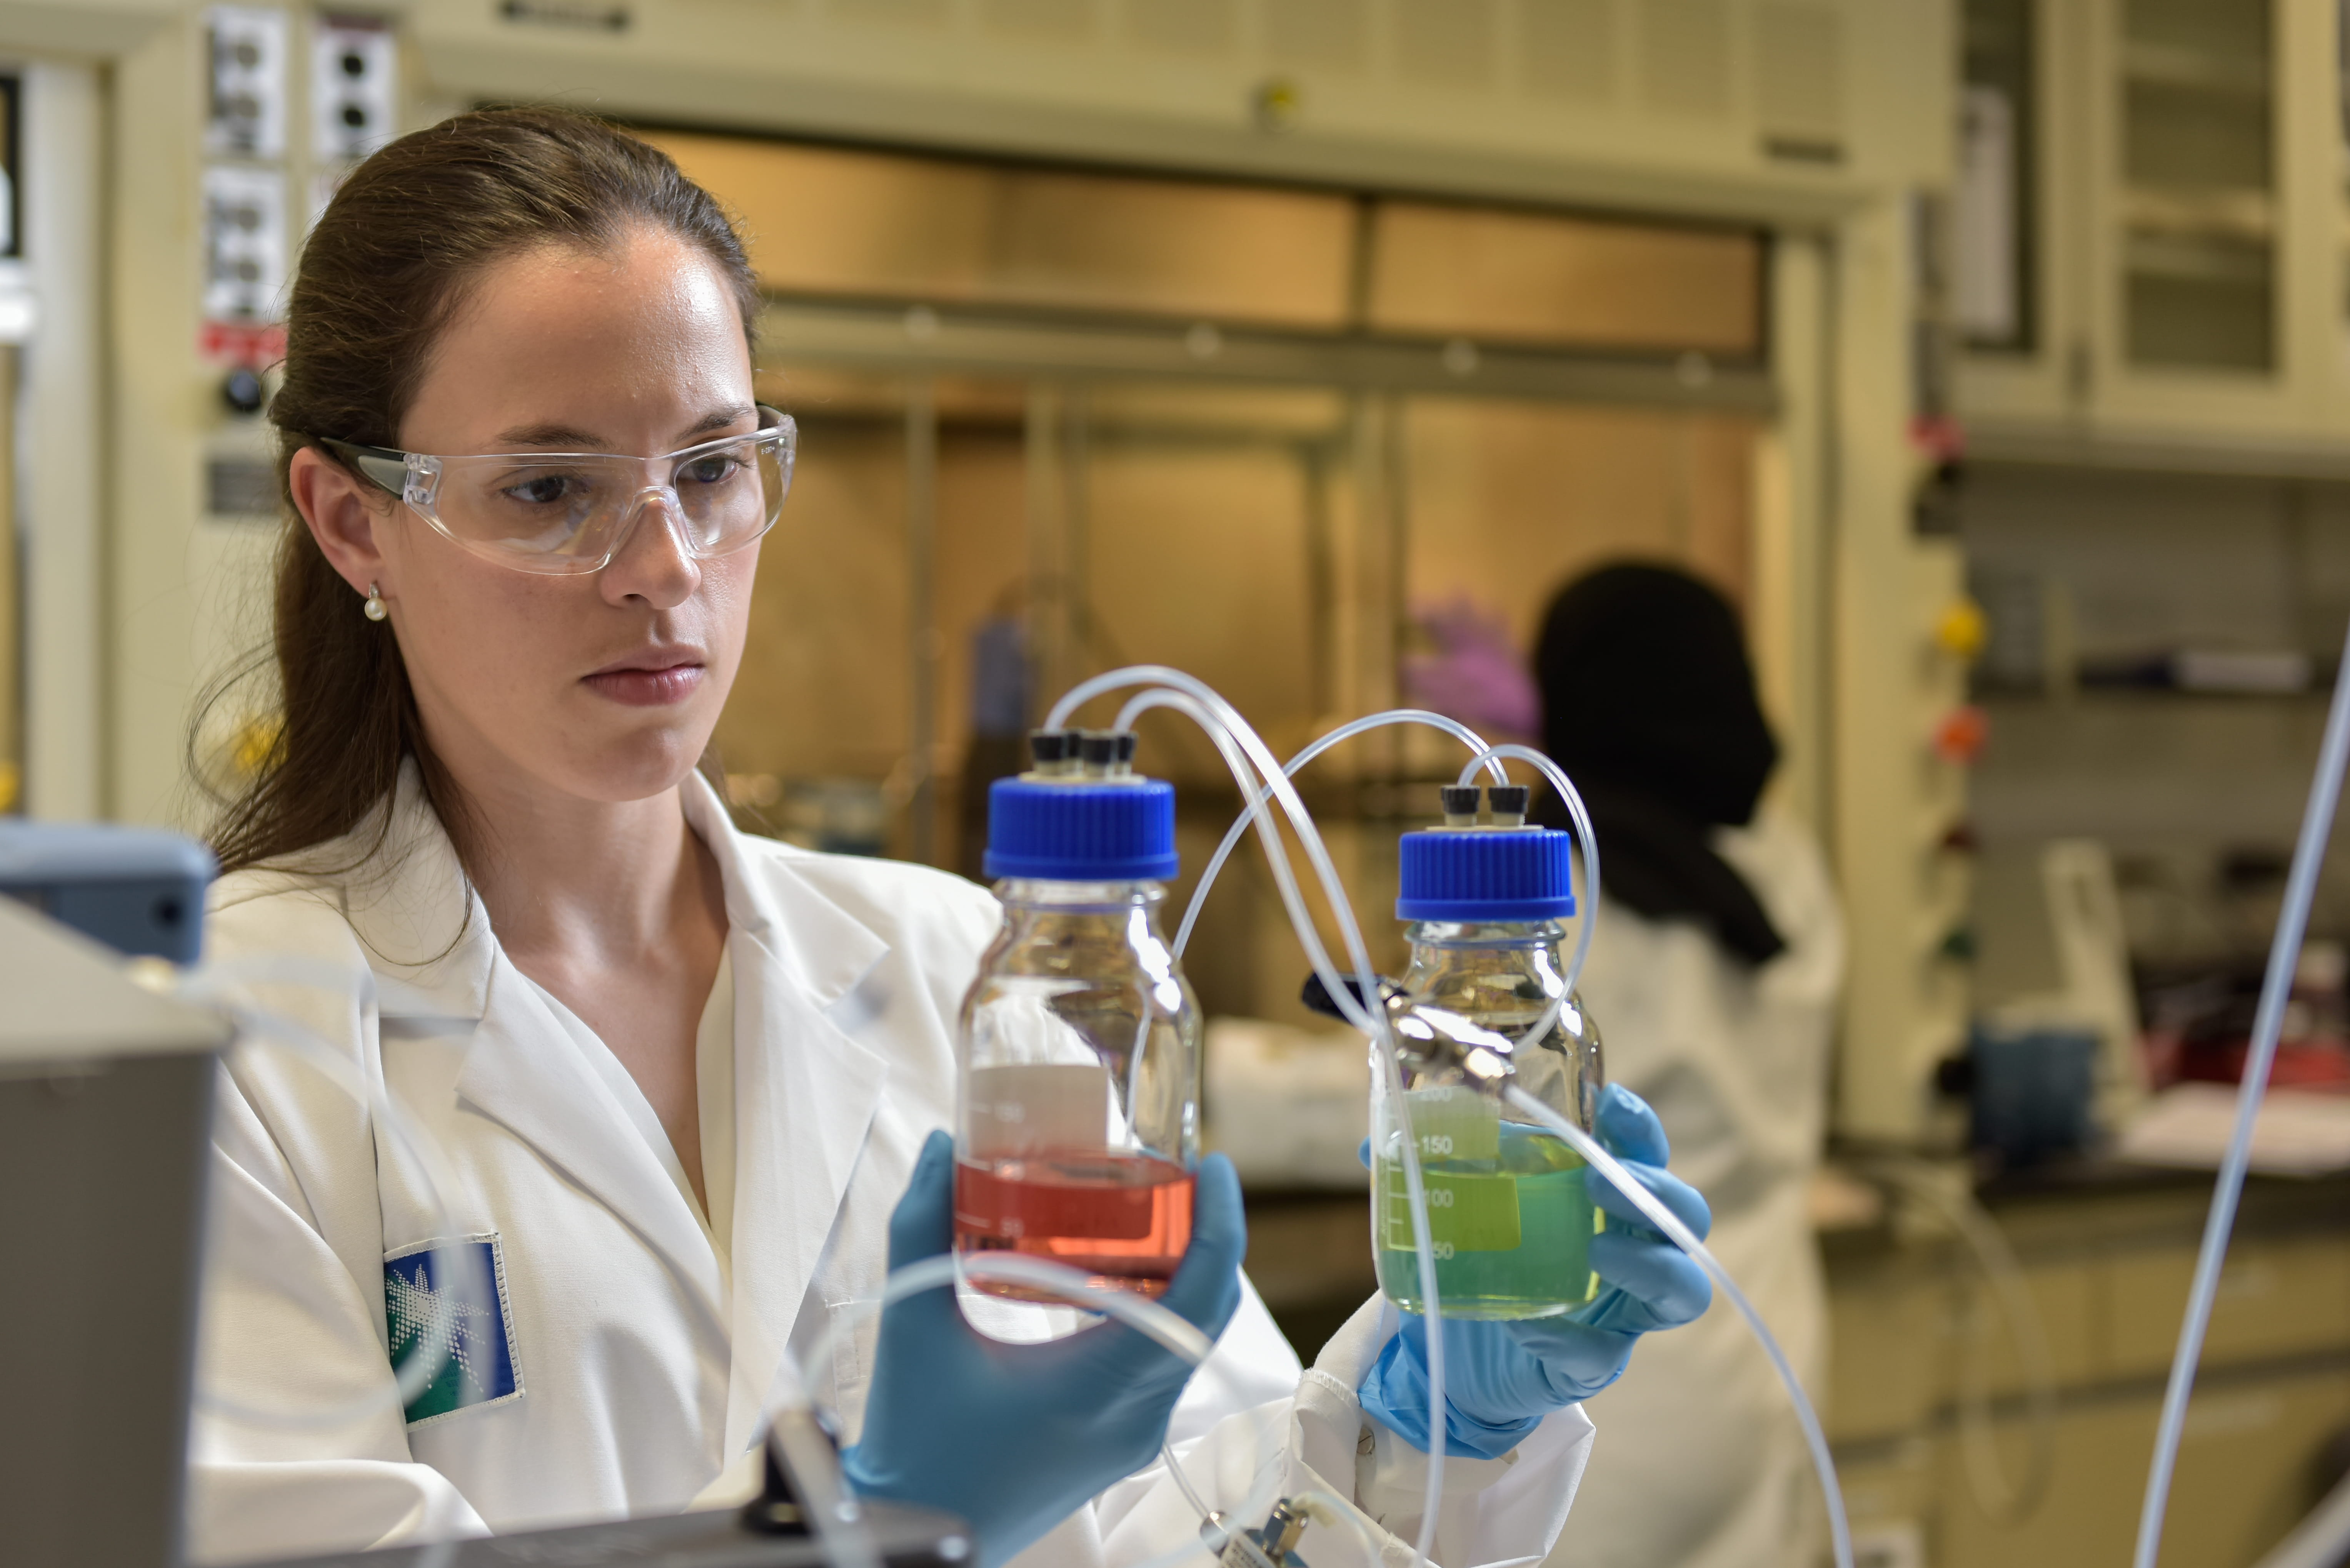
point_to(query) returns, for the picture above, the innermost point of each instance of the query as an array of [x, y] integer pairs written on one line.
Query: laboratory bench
[[1933, 1424], [1927, 1405]]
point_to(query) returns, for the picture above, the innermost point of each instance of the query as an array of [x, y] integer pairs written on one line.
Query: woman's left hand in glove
[[1501, 1378]]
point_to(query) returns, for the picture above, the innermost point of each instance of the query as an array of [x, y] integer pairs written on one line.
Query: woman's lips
[[641, 688]]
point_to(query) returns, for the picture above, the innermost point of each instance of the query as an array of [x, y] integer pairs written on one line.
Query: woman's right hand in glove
[[1016, 1437]]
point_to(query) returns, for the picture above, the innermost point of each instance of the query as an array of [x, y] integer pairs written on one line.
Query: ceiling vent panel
[[1318, 35], [1445, 43], [1200, 27], [1799, 81], [1060, 21], [896, 13], [1566, 50], [1685, 57]]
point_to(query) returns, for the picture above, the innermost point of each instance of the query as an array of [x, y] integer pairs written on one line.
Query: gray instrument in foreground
[[105, 1108]]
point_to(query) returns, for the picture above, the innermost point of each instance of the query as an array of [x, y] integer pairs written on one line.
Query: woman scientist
[[680, 1077], [1714, 977]]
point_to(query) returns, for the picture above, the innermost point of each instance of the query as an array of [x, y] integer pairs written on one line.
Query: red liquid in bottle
[[1124, 1219]]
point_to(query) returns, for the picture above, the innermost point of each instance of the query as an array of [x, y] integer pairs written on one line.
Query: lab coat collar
[[797, 955], [820, 947], [414, 911]]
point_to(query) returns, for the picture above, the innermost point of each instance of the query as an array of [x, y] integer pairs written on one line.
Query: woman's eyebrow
[[552, 437], [717, 420]]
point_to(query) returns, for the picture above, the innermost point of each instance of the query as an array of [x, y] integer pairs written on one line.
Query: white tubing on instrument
[[1209, 708], [1198, 1505], [2276, 989], [1347, 731], [1682, 1236]]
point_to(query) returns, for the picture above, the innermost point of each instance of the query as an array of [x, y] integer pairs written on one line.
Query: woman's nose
[[653, 562]]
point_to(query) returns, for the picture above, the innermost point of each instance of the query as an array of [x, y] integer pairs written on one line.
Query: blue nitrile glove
[[1501, 1378], [1015, 1437]]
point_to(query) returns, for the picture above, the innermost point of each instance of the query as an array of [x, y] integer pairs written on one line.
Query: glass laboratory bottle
[[1077, 1105], [1509, 1216]]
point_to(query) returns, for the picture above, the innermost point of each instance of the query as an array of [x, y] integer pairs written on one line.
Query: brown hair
[[381, 275]]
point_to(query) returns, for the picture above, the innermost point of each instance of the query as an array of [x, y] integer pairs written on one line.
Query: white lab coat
[[643, 1360], [1701, 1463]]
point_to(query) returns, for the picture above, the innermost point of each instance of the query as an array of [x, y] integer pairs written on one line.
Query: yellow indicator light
[[1961, 631]]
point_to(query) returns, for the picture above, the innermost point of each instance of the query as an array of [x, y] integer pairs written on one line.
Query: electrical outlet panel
[[245, 243], [247, 117], [353, 87]]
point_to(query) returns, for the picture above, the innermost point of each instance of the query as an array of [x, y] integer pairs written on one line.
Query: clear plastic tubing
[[1372, 1022], [1586, 845], [1244, 751], [1249, 758], [2284, 952], [1296, 764], [1584, 1144], [1283, 876]]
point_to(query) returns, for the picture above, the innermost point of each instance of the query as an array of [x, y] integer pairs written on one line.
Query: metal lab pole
[[922, 617]]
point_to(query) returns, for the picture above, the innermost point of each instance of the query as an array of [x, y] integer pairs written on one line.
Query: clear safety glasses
[[562, 514]]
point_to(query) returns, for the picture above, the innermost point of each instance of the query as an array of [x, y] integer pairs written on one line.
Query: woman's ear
[[343, 513]]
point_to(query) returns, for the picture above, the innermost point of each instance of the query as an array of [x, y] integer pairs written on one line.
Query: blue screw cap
[[1487, 873], [1052, 831]]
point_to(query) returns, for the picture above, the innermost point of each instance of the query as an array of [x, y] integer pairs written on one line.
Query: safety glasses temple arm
[[380, 464]]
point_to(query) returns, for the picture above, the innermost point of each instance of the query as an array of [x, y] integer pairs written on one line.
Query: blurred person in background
[[1714, 977]]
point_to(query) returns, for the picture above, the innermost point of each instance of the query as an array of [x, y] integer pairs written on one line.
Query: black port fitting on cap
[[1369, 990], [1460, 804], [1122, 765], [1050, 748], [1097, 747], [1509, 803]]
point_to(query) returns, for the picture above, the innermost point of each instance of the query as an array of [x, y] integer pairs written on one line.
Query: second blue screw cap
[[1476, 874]]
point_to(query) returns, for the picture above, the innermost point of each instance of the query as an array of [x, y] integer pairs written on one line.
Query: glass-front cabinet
[[2153, 235], [2197, 196]]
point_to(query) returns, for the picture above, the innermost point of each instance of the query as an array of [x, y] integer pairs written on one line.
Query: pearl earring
[[374, 606]]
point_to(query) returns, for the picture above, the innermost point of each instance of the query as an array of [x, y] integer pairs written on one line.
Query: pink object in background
[[1477, 674]]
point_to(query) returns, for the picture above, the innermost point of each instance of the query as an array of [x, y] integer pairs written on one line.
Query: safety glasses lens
[[566, 513]]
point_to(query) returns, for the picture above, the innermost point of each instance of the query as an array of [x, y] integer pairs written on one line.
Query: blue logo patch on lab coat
[[444, 1307]]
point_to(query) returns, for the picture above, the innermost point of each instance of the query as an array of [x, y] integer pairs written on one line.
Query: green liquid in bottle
[[1508, 1214]]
